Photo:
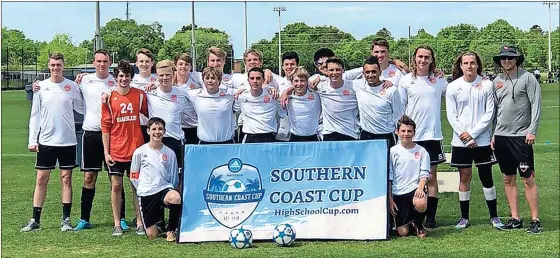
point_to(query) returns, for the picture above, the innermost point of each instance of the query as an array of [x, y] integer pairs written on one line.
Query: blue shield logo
[[233, 192]]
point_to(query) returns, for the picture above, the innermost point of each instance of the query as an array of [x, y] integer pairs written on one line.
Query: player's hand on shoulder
[[401, 66], [387, 84], [284, 99], [151, 86], [273, 92], [79, 77], [237, 93], [36, 86], [267, 76]]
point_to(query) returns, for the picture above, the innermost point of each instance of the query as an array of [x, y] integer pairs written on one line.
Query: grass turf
[[480, 240]]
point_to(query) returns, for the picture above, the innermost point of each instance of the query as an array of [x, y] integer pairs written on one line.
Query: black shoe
[[534, 227], [431, 223], [513, 224]]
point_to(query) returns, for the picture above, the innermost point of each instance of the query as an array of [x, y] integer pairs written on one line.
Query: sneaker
[[431, 223], [513, 224], [497, 223], [31, 226], [171, 237], [117, 231], [140, 230], [65, 225], [124, 226], [534, 227], [420, 230], [463, 223], [83, 224]]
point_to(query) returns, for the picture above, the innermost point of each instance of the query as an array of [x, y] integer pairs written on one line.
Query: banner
[[325, 190]]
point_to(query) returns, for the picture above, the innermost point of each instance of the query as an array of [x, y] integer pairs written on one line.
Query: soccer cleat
[[420, 230], [140, 230], [83, 224], [171, 237], [431, 223], [534, 227], [513, 224], [31, 226], [463, 223], [117, 231], [497, 223], [124, 226], [65, 225]]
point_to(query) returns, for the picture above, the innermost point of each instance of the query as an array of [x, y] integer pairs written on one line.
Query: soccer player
[[183, 79], [304, 108], [121, 135], [339, 104], [259, 109], [421, 92], [154, 172], [390, 72], [470, 109], [409, 168], [290, 61], [52, 136], [518, 109], [379, 107], [215, 109], [144, 63]]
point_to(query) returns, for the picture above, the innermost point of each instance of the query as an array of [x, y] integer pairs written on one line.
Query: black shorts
[[209, 143], [390, 137], [406, 211], [259, 137], [435, 150], [144, 129], [48, 156], [463, 157], [191, 136], [151, 207], [513, 154], [241, 135], [337, 137], [119, 168], [177, 147], [93, 155], [308, 138]]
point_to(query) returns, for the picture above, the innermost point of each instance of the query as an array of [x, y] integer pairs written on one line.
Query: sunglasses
[[507, 58]]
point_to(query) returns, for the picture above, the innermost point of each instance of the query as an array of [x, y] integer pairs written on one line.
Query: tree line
[[122, 38]]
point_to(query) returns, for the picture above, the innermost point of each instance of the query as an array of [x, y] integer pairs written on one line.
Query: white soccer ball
[[234, 186], [284, 235], [241, 238]]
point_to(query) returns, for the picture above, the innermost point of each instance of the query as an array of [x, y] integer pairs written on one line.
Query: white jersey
[[216, 114], [380, 109], [407, 167], [170, 106], [283, 123], [392, 74], [422, 101], [470, 108], [140, 83], [227, 80], [92, 87], [152, 171], [259, 112], [304, 113], [353, 74], [52, 118], [340, 109], [241, 81], [189, 118]]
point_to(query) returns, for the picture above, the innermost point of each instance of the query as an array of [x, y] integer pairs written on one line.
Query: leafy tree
[[451, 41], [18, 49], [63, 43], [491, 38]]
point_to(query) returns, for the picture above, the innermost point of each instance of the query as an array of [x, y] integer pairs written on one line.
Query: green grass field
[[480, 240]]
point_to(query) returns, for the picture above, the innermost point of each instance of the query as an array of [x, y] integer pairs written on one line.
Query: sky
[[357, 18]]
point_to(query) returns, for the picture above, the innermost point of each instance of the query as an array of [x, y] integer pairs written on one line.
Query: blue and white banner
[[325, 190]]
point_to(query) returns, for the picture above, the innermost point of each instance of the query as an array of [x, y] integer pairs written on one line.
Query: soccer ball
[[233, 186], [284, 235], [241, 238]]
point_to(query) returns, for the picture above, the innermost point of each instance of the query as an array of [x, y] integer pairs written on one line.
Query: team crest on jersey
[[152, 79], [392, 73], [499, 85], [226, 78], [67, 87], [111, 83], [164, 157], [266, 99], [432, 80], [346, 92], [479, 86], [192, 86], [417, 155], [310, 96], [222, 93], [173, 97]]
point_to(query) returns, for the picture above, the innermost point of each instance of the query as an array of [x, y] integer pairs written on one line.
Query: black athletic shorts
[[513, 154], [390, 137], [435, 149], [209, 143], [241, 135], [48, 156], [119, 168], [191, 135], [463, 157], [308, 138], [259, 137], [177, 147], [144, 129], [93, 156], [151, 207], [406, 211], [337, 137]]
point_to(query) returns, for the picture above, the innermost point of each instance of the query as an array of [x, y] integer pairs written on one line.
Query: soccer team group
[[138, 124]]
